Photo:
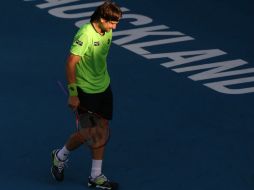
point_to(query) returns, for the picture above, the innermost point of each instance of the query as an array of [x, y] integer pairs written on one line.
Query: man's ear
[[102, 20]]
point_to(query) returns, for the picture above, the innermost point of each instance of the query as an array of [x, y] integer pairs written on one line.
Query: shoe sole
[[92, 185]]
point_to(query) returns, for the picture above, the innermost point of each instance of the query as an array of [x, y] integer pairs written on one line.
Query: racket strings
[[98, 135], [93, 129]]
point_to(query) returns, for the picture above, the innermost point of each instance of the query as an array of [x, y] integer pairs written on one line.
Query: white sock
[[63, 154], [96, 168]]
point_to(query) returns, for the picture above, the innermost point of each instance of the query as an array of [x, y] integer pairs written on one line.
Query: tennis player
[[89, 86]]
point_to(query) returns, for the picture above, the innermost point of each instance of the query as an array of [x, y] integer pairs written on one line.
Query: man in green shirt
[[89, 86]]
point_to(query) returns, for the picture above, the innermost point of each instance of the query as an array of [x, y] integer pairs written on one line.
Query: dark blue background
[[168, 132]]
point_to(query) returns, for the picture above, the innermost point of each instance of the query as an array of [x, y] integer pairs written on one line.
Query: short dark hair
[[109, 11]]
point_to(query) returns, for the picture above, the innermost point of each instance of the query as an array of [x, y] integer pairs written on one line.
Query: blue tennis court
[[183, 80]]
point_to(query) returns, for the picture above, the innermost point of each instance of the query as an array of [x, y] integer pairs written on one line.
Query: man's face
[[108, 25]]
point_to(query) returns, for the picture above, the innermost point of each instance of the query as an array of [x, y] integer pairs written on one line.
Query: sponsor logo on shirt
[[79, 42], [96, 43]]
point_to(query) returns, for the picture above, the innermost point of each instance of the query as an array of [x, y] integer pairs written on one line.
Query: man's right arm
[[73, 100]]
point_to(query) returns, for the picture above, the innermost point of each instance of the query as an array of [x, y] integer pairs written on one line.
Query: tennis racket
[[92, 128]]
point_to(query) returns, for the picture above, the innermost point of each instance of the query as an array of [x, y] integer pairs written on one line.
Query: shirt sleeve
[[80, 44]]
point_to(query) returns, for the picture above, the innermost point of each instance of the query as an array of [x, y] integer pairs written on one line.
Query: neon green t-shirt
[[91, 71]]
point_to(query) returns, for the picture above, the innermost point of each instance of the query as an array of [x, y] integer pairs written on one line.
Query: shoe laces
[[100, 179], [61, 164]]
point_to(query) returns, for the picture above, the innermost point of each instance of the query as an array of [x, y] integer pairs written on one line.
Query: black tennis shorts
[[100, 103]]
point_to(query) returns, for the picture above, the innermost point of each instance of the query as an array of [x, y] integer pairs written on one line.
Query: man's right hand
[[73, 102]]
